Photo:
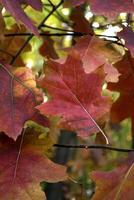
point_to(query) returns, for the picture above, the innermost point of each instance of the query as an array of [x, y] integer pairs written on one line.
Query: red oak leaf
[[23, 166], [123, 107], [76, 96], [111, 8], [116, 184], [94, 53], [127, 34], [18, 98], [14, 7]]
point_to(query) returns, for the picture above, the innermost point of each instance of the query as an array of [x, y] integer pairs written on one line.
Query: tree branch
[[82, 146], [71, 33], [45, 34]]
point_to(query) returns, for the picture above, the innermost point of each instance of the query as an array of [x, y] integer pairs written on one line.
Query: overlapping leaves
[[75, 88]]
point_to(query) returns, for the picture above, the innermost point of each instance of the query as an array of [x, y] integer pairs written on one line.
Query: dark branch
[[45, 34], [58, 29], [51, 3], [82, 146], [71, 33]]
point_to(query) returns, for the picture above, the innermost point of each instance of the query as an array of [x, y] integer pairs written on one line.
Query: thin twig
[[58, 16], [21, 49], [82, 146], [58, 29], [51, 3], [71, 33], [68, 32], [45, 34]]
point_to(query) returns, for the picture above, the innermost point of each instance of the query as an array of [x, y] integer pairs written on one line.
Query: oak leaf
[[76, 96]]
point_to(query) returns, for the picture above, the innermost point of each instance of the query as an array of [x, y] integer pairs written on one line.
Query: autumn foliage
[[49, 83]]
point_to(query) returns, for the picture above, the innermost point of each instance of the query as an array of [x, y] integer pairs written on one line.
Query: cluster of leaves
[[77, 82]]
